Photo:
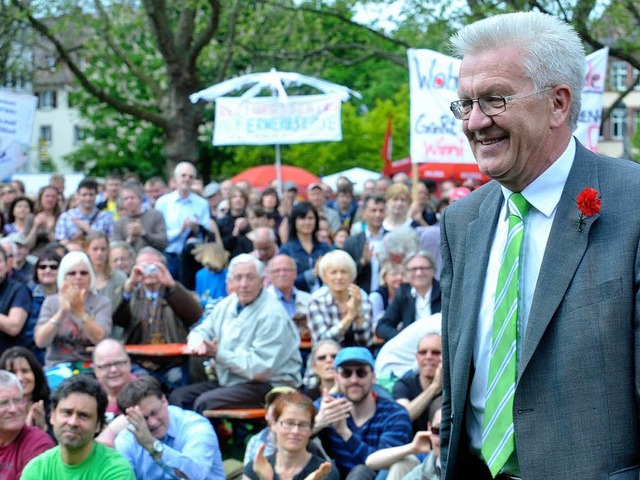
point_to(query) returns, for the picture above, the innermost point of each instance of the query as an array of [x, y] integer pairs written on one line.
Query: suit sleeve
[[388, 325], [445, 286]]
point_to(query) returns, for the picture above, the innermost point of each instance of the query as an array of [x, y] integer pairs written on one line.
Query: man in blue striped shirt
[[356, 422]]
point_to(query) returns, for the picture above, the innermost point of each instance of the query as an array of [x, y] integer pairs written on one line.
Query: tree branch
[[228, 42], [124, 107], [157, 14], [207, 34], [340, 17], [137, 72]]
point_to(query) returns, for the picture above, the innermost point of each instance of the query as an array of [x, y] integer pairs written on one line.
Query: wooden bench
[[236, 413]]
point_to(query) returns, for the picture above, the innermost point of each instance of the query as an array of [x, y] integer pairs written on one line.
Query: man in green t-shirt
[[77, 415]]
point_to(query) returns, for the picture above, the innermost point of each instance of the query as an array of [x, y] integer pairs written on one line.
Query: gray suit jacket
[[577, 398]]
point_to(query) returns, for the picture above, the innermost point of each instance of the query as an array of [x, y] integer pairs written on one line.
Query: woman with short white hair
[[340, 310], [76, 317]]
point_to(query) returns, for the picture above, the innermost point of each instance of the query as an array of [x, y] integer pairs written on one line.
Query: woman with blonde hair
[[108, 281], [340, 310], [74, 318]]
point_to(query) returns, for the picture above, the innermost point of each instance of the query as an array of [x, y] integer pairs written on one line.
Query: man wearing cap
[[356, 422], [316, 195], [137, 226]]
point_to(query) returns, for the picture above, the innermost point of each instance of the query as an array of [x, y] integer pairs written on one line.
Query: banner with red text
[[268, 121], [588, 131]]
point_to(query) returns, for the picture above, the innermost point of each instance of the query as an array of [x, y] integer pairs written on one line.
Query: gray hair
[[552, 51], [133, 186], [180, 166], [8, 380], [153, 251], [423, 254], [125, 246], [401, 241], [338, 258], [72, 259], [241, 260]]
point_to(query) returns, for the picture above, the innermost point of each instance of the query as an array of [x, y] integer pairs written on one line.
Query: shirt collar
[[545, 191]]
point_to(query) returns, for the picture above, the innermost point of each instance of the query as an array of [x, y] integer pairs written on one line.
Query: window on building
[[618, 76], [47, 99], [46, 133], [78, 134], [617, 123]]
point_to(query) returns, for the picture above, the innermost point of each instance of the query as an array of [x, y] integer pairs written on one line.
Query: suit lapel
[[479, 237], [565, 249]]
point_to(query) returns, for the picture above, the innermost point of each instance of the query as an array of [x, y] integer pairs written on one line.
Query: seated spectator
[[156, 309], [78, 415], [416, 390], [163, 441], [24, 365], [316, 193], [340, 310], [282, 275], [211, 283], [355, 422], [240, 241], [321, 370], [112, 368], [252, 340], [74, 318], [122, 256], [78, 222], [109, 282], [270, 202], [139, 227], [291, 411], [22, 266], [266, 436], [11, 253], [44, 283], [303, 246], [19, 442], [234, 223], [397, 356], [391, 277], [340, 238], [47, 211], [15, 303], [265, 245], [398, 197], [419, 298], [403, 462], [20, 218]]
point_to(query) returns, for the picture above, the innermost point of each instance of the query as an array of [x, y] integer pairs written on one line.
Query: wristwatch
[[158, 447]]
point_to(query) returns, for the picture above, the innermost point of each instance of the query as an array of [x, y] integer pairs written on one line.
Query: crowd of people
[[121, 262], [444, 331]]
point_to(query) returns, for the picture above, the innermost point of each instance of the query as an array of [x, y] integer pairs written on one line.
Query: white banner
[[17, 113], [588, 131], [16, 116], [436, 135], [267, 121]]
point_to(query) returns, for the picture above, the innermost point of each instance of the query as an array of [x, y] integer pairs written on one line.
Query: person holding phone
[[155, 308]]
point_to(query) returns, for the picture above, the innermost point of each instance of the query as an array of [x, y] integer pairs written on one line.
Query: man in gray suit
[[572, 408]]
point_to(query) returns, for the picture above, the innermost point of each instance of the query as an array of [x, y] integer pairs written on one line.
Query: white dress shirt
[[544, 195]]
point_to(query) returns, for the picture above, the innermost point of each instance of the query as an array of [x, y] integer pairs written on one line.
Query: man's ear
[[561, 106]]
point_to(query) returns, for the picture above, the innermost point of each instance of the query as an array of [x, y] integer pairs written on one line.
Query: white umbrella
[[276, 83]]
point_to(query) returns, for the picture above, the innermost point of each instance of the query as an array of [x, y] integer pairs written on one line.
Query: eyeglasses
[[433, 352], [419, 269], [109, 366], [490, 105], [290, 425], [435, 430], [4, 192], [360, 372], [82, 273], [50, 266], [18, 402], [322, 358]]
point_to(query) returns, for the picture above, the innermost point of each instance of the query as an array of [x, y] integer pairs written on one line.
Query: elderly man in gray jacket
[[251, 340]]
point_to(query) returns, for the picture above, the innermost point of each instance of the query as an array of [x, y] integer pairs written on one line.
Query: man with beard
[[416, 391], [356, 422], [77, 415]]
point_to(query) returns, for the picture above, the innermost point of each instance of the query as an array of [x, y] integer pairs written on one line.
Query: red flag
[[387, 150]]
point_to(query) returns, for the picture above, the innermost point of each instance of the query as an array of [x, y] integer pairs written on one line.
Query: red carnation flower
[[589, 204]]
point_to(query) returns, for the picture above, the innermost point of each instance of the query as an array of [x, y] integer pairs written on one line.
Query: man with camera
[[156, 309]]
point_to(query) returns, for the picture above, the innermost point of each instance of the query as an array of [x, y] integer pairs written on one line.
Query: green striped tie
[[498, 440]]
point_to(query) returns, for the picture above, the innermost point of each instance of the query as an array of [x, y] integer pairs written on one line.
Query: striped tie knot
[[518, 205]]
